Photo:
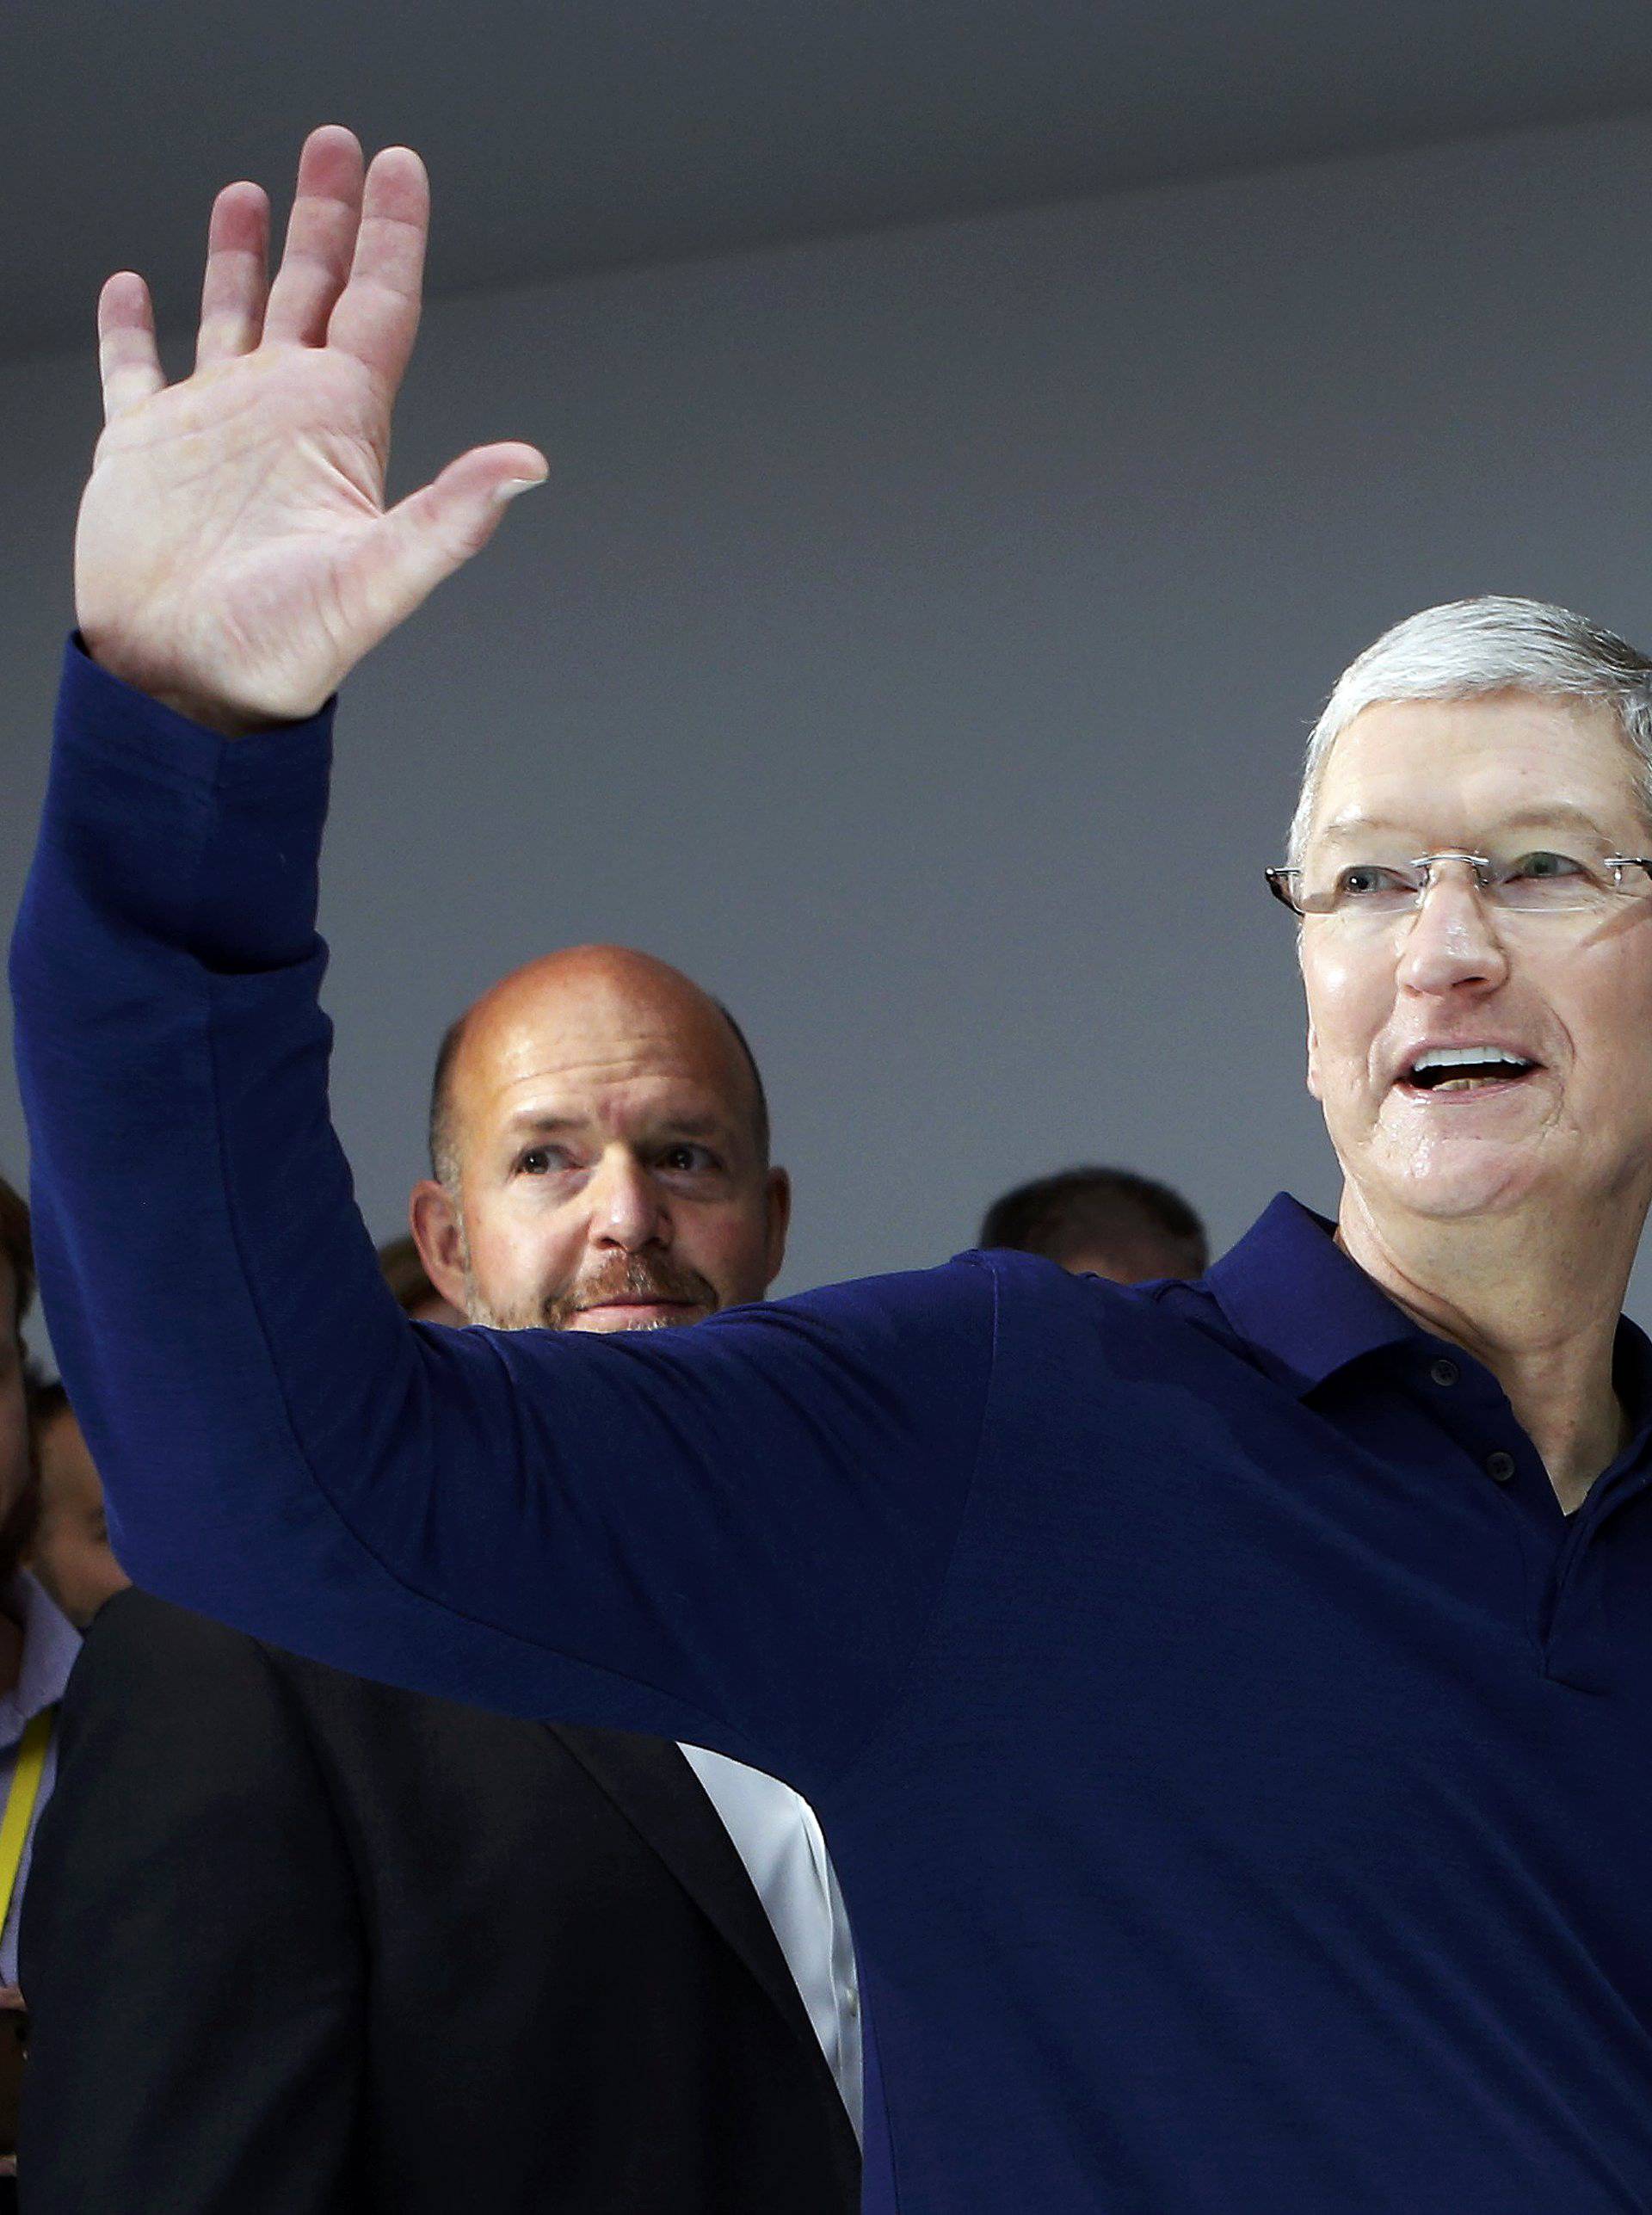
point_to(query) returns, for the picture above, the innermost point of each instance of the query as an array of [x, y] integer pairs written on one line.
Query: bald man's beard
[[630, 1277]]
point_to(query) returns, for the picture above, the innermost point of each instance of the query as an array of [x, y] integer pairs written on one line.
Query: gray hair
[[1468, 648]]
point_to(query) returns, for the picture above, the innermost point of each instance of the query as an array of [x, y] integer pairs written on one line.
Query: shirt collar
[[1307, 1310], [1301, 1304], [1631, 1376], [50, 1642]]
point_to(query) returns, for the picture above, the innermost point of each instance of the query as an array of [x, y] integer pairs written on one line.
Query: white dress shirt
[[777, 1837]]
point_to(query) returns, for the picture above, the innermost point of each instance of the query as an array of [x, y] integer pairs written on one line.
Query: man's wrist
[[220, 717], [207, 844], [187, 719]]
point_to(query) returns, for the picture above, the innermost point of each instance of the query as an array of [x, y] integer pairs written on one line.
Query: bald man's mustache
[[635, 1278]]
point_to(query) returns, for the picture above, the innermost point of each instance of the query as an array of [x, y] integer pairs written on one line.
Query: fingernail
[[512, 485]]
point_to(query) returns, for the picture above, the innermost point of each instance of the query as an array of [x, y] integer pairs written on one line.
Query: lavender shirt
[[51, 1642]]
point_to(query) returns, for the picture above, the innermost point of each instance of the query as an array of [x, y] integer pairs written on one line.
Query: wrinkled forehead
[[602, 1060], [1454, 772]]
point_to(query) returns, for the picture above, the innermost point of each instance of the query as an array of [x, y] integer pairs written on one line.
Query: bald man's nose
[[625, 1204]]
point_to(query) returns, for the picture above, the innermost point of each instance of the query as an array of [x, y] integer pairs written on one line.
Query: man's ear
[[433, 1216], [778, 1199], [1313, 1038]]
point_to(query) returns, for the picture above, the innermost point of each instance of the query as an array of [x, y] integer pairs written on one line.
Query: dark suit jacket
[[296, 1944]]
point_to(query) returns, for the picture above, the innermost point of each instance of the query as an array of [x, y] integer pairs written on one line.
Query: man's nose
[[625, 1204], [1452, 941]]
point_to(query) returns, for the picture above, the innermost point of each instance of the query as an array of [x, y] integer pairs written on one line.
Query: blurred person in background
[[70, 1551], [363, 1950], [408, 1278], [38, 1647], [1103, 1223]]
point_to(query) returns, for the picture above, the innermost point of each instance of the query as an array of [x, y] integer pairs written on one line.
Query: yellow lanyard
[[20, 1804]]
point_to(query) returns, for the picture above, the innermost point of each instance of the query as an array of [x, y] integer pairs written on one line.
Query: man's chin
[[1454, 1184]]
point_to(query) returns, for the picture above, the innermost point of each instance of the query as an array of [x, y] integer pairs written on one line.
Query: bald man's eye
[[688, 1160], [540, 1161]]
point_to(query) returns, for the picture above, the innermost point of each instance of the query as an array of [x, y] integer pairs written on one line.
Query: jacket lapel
[[653, 1786]]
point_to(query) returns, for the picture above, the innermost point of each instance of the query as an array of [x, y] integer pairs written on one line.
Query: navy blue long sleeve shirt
[[1239, 1769]]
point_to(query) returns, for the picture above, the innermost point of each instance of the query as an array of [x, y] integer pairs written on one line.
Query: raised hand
[[234, 557]]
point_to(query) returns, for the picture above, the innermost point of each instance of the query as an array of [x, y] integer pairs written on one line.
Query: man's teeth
[[1453, 1068]]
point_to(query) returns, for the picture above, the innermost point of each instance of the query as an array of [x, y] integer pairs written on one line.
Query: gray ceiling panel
[[575, 138]]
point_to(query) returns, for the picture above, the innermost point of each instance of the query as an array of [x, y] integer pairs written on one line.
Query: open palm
[[234, 558]]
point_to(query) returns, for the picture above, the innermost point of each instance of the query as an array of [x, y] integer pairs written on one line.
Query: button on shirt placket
[[1579, 1641], [1474, 1409]]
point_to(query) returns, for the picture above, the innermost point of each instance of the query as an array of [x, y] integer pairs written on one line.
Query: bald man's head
[[444, 1137], [598, 1141]]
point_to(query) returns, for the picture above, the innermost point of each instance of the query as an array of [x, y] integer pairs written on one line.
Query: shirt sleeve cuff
[[101, 709], [205, 842]]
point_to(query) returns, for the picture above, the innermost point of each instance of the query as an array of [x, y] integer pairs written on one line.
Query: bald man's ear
[[779, 1200], [433, 1216]]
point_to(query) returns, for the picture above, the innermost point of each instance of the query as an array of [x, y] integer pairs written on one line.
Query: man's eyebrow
[[1556, 812], [542, 1119]]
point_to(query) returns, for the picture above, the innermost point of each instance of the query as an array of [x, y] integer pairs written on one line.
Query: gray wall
[[916, 641]]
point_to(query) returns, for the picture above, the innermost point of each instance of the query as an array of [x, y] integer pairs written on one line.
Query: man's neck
[[1535, 1299]]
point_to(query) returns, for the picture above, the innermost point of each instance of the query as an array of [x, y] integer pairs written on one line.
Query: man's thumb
[[434, 531]]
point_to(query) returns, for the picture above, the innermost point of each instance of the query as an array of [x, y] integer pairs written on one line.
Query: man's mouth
[[1465, 1069], [636, 1295], [621, 1301], [626, 1311]]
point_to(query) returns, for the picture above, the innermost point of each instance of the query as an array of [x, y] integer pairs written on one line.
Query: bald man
[[598, 1149], [361, 1949]]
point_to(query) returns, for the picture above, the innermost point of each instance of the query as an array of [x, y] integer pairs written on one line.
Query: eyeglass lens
[[1542, 881]]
